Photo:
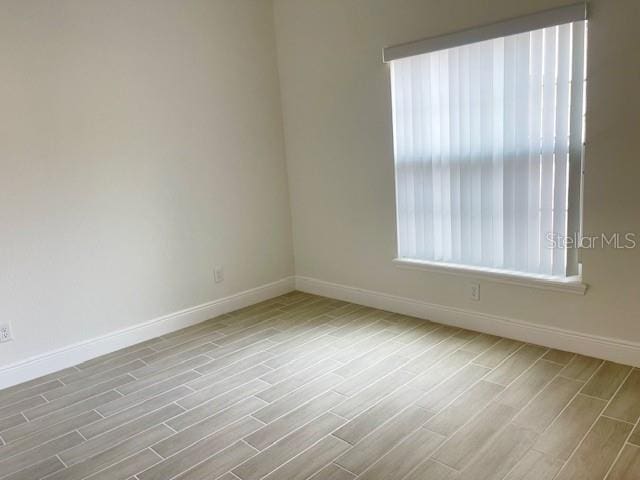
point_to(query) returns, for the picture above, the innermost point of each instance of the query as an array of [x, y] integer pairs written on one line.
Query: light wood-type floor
[[306, 387]]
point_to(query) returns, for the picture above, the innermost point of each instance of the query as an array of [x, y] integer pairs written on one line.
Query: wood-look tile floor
[[304, 387]]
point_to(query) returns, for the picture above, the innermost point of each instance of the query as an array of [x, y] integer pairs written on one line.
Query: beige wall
[[140, 144], [336, 106]]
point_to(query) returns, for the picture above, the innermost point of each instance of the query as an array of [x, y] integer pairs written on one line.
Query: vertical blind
[[486, 139]]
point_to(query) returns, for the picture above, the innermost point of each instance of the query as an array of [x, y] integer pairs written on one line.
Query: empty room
[[319, 240]]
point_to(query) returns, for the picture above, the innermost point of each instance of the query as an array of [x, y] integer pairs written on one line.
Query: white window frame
[[571, 13]]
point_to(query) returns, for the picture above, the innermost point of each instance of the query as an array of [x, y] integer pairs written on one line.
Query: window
[[488, 141]]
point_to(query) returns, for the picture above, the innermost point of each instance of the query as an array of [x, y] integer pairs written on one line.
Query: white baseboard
[[606, 348], [74, 354]]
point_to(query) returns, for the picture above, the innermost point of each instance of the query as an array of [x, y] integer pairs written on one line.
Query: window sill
[[566, 285]]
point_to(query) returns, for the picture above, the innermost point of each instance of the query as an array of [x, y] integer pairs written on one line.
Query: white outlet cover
[[218, 274], [5, 333], [474, 291]]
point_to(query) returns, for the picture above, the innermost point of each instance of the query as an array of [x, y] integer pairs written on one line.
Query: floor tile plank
[[515, 365], [41, 389], [635, 436], [216, 389], [438, 352], [208, 426], [296, 398], [333, 472], [535, 466], [62, 415], [9, 391], [442, 370], [220, 462], [560, 439], [301, 378], [15, 463], [439, 397], [463, 408], [405, 456], [90, 391], [495, 355], [458, 451], [366, 422], [99, 427], [627, 467], [14, 409], [500, 455], [146, 394], [301, 363], [581, 368], [364, 378], [558, 356], [287, 447], [201, 450], [113, 454], [626, 403], [38, 470], [548, 404], [597, 452], [218, 403], [9, 422], [372, 394], [120, 434], [606, 380], [310, 461], [432, 471], [128, 467], [380, 441], [481, 344], [163, 375], [81, 380], [525, 387], [272, 432], [46, 434]]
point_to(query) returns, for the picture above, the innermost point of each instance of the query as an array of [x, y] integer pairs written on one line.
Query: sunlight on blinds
[[482, 140]]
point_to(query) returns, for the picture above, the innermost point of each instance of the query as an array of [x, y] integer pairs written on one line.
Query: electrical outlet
[[218, 274], [474, 291], [5, 333]]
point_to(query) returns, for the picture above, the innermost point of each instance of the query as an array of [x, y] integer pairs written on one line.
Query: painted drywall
[[337, 118], [140, 144]]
